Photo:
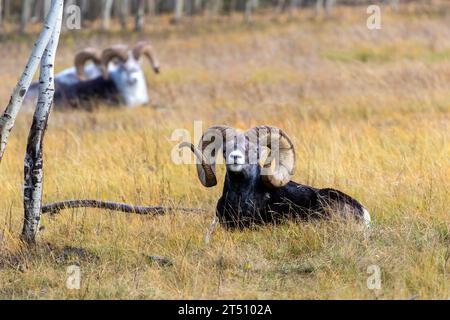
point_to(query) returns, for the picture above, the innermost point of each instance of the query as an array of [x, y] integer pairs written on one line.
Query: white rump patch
[[366, 218]]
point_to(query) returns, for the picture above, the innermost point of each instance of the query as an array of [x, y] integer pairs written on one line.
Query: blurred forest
[[19, 14]]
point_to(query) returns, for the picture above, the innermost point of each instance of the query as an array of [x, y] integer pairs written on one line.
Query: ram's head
[[121, 65], [243, 153], [120, 55]]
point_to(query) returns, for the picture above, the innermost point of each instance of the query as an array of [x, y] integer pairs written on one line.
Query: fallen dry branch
[[55, 207]]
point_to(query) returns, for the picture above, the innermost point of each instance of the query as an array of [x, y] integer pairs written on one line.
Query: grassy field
[[368, 112]]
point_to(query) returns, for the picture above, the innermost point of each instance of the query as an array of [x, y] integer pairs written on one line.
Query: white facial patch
[[130, 81], [235, 160]]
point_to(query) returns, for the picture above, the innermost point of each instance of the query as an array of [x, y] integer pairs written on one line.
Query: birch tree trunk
[[8, 118], [178, 10], [249, 5], [84, 6], [319, 7], [197, 7], [293, 5], [6, 9], [36, 10], [46, 7], [33, 164], [232, 6], [67, 12], [280, 6], [106, 14], [329, 7], [151, 7], [1, 17], [25, 15], [214, 7], [140, 12], [123, 12], [394, 5], [188, 8]]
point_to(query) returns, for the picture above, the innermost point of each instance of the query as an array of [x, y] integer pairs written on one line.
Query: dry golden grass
[[368, 112]]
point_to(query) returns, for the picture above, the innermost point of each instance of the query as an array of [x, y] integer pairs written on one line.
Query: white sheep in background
[[114, 77]]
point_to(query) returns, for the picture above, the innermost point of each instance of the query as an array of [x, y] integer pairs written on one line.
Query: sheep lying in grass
[[114, 77], [255, 194], [252, 194]]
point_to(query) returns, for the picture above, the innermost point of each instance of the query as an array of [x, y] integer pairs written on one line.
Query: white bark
[[329, 6], [46, 7], [7, 9], [215, 6], [66, 14], [294, 4], [123, 12], [33, 164], [8, 118], [319, 6], [36, 10], [249, 5], [280, 6], [1, 16], [290, 7], [394, 5], [25, 15], [84, 5], [151, 7], [140, 12], [106, 13], [197, 6], [178, 10], [324, 4]]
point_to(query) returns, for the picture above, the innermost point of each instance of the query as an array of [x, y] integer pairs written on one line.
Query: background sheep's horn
[[85, 55], [115, 52], [144, 48], [284, 156], [204, 170]]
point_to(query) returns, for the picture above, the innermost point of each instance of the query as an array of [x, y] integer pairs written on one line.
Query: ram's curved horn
[[145, 48], [114, 52], [206, 153], [204, 170], [283, 151], [83, 56]]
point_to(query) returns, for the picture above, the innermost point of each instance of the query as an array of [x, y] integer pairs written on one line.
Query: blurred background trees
[[22, 13]]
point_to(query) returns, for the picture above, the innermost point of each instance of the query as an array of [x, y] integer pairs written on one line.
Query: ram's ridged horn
[[114, 52], [145, 48], [83, 56], [285, 157], [206, 169], [205, 172]]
